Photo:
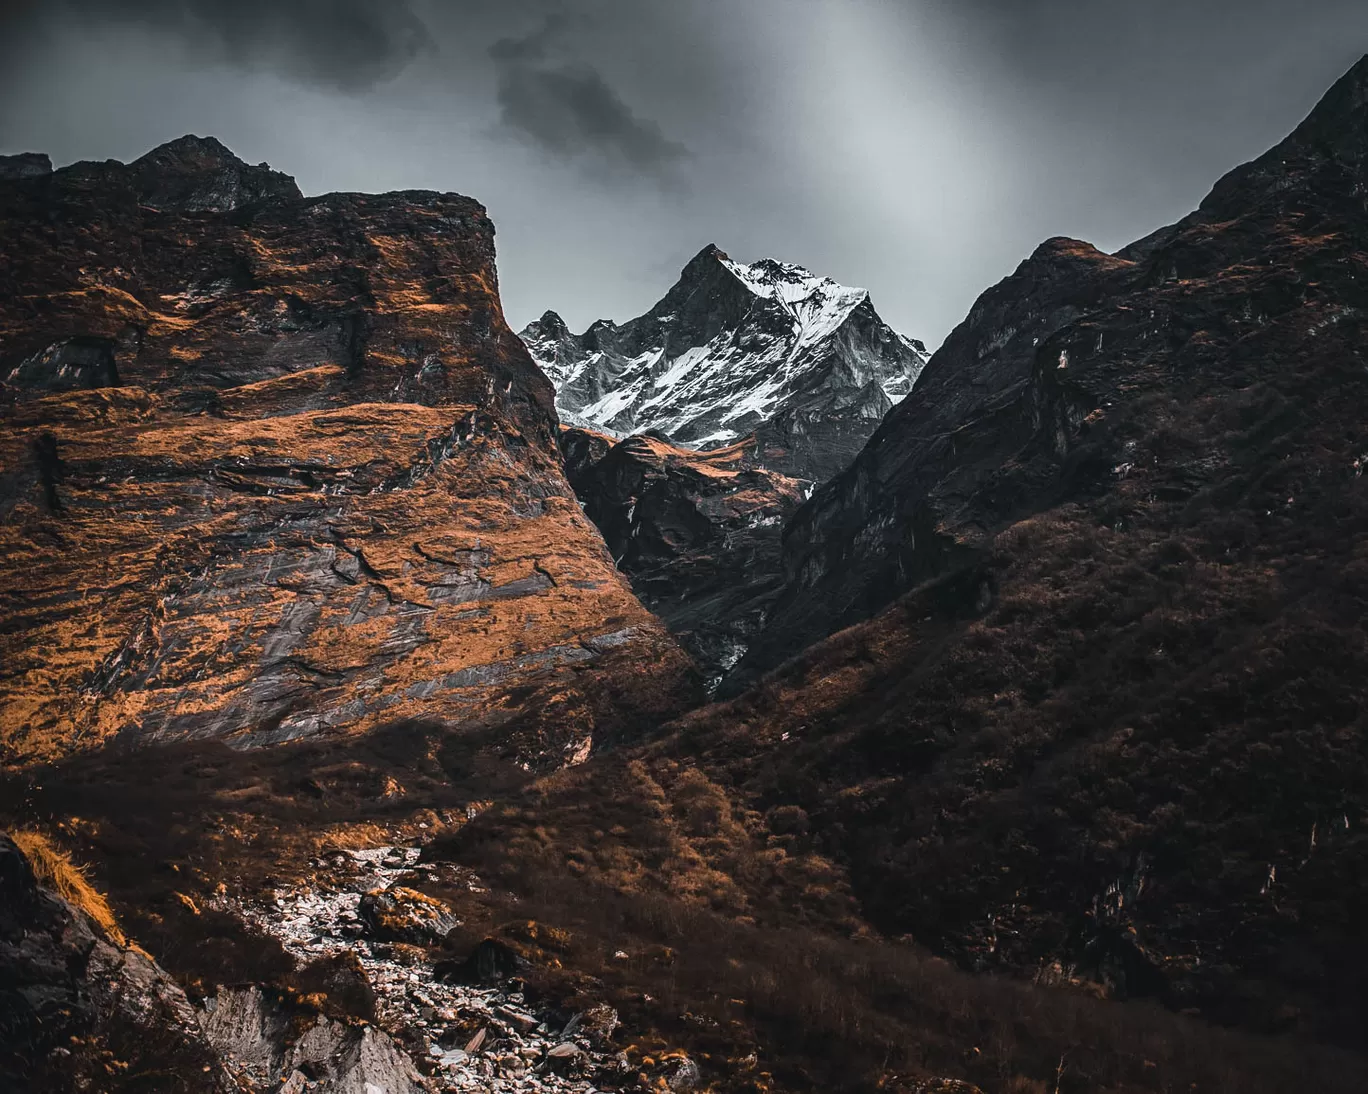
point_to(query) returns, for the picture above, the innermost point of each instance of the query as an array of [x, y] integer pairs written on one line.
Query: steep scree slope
[[273, 466], [805, 364]]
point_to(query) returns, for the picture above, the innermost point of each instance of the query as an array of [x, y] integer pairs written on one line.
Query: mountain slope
[[1100, 717], [275, 467], [1069, 380], [699, 533], [768, 348]]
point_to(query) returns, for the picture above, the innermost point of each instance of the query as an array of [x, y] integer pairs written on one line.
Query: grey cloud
[[349, 45], [548, 96], [568, 109]]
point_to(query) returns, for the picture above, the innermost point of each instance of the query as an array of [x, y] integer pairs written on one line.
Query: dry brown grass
[[852, 1016], [54, 868]]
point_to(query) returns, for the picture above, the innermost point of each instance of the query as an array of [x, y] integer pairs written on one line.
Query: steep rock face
[[80, 1012], [976, 443], [697, 532], [274, 466], [1103, 720], [803, 363]]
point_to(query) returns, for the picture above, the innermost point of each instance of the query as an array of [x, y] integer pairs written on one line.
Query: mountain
[[1121, 382], [327, 705], [768, 349], [288, 562], [698, 533], [1095, 717], [274, 467]]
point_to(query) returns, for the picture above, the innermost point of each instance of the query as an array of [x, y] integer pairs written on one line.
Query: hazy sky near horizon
[[918, 148]]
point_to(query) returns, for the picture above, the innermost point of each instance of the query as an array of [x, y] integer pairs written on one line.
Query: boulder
[[400, 914], [263, 1040], [682, 1074], [488, 963]]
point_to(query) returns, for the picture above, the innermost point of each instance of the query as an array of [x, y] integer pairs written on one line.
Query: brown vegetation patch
[[55, 869]]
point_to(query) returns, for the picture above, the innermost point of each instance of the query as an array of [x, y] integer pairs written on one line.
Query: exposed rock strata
[[275, 466]]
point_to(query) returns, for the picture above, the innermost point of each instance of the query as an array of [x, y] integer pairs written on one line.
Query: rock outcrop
[[698, 533], [769, 349], [275, 466], [263, 1042], [25, 165], [81, 1011], [431, 1028]]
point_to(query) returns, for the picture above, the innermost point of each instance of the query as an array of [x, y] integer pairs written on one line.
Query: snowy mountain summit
[[732, 349]]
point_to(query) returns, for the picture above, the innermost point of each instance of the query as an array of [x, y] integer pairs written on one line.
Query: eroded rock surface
[[262, 1042], [81, 1012], [476, 1036], [697, 532], [274, 466]]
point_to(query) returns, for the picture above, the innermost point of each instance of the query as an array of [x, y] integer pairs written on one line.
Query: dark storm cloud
[[568, 109], [547, 96], [1176, 45], [345, 44]]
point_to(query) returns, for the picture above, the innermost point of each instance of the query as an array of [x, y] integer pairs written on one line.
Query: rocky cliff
[[275, 467], [697, 532], [769, 349], [80, 1010]]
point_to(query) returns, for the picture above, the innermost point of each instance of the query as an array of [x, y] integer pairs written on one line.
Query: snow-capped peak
[[789, 282], [734, 348], [818, 305]]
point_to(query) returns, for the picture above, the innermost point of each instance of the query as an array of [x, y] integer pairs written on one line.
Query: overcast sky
[[919, 148]]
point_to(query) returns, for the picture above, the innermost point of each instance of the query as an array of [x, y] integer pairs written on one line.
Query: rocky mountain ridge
[[274, 466], [801, 362], [1020, 408]]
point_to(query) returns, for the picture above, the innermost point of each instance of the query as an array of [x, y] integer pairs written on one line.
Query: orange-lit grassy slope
[[54, 868], [275, 467]]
